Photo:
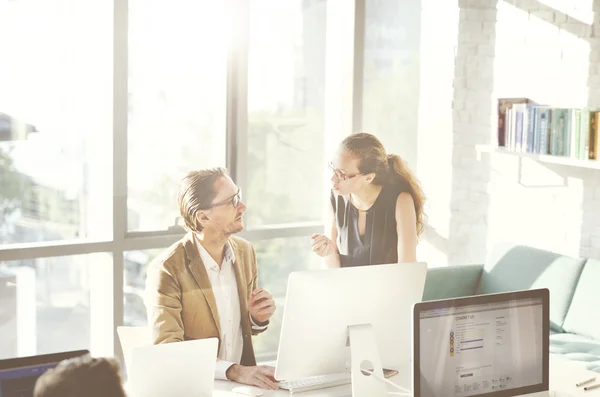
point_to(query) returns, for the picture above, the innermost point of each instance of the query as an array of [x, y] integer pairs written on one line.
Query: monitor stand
[[364, 354]]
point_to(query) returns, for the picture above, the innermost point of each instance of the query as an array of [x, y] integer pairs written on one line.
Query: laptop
[[493, 345], [182, 369], [18, 375]]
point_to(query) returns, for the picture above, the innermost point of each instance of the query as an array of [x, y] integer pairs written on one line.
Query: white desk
[[563, 377]]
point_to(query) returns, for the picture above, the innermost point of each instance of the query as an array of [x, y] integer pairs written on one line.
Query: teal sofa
[[574, 285]]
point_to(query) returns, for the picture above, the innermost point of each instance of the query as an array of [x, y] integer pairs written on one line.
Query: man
[[205, 285], [81, 376]]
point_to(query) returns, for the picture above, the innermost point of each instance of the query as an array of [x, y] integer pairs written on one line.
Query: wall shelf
[[542, 158]]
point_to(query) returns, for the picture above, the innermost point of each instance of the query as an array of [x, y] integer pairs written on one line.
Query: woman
[[376, 212]]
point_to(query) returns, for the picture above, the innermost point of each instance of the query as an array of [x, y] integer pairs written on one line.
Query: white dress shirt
[[224, 287]]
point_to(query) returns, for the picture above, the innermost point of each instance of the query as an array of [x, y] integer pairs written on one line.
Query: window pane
[[135, 265], [286, 111], [55, 120], [391, 74], [177, 82], [49, 304], [276, 259]]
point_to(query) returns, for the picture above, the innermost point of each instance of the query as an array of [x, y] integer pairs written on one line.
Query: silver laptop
[[182, 369], [487, 345]]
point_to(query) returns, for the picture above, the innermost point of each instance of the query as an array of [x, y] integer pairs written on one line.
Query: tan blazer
[[180, 301]]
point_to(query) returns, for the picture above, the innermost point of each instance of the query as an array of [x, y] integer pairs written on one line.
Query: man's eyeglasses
[[339, 174], [233, 200]]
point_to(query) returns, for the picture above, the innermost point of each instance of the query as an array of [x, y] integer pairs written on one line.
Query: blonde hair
[[196, 192], [389, 169]]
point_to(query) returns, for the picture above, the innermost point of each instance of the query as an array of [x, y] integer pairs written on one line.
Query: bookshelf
[[542, 158], [547, 134]]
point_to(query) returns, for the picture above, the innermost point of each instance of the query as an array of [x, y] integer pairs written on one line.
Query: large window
[[134, 282], [54, 304], [55, 103], [391, 74], [106, 105], [286, 75], [177, 88]]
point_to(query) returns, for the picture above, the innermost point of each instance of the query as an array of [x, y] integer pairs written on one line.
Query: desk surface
[[563, 377]]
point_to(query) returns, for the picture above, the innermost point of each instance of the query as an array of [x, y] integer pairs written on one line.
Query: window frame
[[353, 12]]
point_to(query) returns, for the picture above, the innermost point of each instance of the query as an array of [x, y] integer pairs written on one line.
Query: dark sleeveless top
[[379, 244]]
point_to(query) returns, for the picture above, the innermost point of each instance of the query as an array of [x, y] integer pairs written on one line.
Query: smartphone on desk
[[387, 373]]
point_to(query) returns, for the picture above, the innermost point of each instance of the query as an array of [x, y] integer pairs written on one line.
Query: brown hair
[[196, 192], [389, 169], [82, 376]]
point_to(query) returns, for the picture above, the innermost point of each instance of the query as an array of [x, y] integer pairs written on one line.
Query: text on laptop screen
[[480, 349], [20, 382]]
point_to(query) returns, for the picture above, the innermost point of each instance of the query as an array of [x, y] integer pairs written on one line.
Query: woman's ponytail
[[398, 173]]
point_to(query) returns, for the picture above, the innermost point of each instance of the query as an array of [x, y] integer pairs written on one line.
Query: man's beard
[[235, 228]]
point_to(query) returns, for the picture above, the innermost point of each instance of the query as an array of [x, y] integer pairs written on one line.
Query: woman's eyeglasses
[[339, 174]]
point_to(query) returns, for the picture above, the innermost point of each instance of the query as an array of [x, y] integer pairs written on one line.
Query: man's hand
[[261, 376], [321, 245], [261, 305]]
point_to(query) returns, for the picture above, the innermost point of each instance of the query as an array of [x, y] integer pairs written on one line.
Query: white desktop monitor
[[321, 305]]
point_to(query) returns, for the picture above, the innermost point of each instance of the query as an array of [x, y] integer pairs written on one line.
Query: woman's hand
[[322, 245]]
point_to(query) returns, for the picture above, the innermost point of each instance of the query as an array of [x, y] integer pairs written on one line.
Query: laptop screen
[[480, 345], [18, 375]]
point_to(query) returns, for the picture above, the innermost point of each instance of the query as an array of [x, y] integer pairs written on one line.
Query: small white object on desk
[[585, 382], [597, 385], [248, 391]]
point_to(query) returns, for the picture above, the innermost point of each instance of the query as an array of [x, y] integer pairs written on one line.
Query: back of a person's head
[[82, 376]]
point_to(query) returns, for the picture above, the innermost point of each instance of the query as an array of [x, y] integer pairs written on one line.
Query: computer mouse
[[248, 391]]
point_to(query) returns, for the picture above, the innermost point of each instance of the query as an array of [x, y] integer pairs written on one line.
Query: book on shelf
[[528, 127], [503, 105]]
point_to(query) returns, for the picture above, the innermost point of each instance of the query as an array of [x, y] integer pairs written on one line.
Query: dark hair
[[389, 169], [196, 192], [82, 376]]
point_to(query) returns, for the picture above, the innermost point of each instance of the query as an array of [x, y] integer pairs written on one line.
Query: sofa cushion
[[451, 281], [583, 317], [514, 267], [583, 351]]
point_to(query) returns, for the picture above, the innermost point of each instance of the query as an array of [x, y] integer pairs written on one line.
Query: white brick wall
[[436, 101], [514, 48]]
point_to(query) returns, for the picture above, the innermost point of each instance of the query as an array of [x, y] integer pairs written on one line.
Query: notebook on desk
[[493, 345]]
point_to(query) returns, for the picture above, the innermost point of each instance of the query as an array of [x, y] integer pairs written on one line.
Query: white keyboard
[[315, 382]]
